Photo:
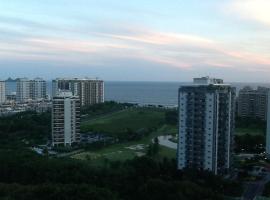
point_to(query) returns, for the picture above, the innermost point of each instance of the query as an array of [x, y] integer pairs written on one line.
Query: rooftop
[[207, 81], [78, 79]]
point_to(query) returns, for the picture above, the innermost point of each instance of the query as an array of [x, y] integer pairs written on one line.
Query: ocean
[[154, 93], [144, 93]]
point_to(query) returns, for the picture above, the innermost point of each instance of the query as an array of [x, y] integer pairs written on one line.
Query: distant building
[[10, 86], [268, 127], [206, 125], [65, 119], [2, 92], [38, 89], [90, 91], [23, 90], [253, 103], [11, 97], [30, 89]]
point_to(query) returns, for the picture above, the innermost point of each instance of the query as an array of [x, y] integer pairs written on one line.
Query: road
[[254, 189], [164, 141]]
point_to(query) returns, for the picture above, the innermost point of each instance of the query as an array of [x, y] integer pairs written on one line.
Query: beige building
[[65, 119], [90, 91]]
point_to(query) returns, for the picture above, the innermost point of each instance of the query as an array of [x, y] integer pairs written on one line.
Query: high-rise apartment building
[[65, 119], [253, 103], [267, 148], [206, 125], [30, 89], [23, 89], [10, 86], [2, 92], [90, 91], [38, 89]]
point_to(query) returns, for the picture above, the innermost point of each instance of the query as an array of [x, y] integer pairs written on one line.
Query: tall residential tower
[[23, 90], [30, 89], [2, 92], [206, 125], [38, 89], [253, 103], [90, 91], [65, 119]]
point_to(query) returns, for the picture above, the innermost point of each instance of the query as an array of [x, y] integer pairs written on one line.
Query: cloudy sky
[[136, 40]]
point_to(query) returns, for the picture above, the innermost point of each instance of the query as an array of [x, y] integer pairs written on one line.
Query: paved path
[[164, 141]]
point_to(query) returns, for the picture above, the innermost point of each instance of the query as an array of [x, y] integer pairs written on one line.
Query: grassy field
[[128, 150], [122, 152], [250, 131], [134, 119]]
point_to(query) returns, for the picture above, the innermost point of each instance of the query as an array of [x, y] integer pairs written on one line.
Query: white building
[[268, 127], [90, 91], [30, 89], [206, 125], [65, 119], [2, 92], [23, 90], [38, 89]]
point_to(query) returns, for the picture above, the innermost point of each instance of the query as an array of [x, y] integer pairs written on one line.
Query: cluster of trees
[[247, 142], [25, 175], [103, 108], [153, 149], [28, 128], [171, 117], [266, 191]]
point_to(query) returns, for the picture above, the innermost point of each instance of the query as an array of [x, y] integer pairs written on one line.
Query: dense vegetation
[[25, 129], [266, 191], [104, 108], [250, 135], [129, 124], [25, 175]]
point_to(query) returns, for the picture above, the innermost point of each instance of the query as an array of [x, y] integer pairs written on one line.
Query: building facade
[[206, 125], [90, 91], [38, 89], [30, 89], [2, 92], [65, 119], [267, 148], [22, 90], [253, 103]]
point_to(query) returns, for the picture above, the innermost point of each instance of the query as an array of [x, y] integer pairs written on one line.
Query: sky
[[136, 40]]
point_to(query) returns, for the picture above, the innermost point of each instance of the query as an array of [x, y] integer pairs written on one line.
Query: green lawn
[[250, 131], [122, 152], [128, 150], [134, 119]]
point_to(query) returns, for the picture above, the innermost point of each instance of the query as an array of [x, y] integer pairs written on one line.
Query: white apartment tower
[[268, 126], [37, 89], [23, 90], [90, 91], [30, 89], [206, 125], [65, 119], [2, 92]]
